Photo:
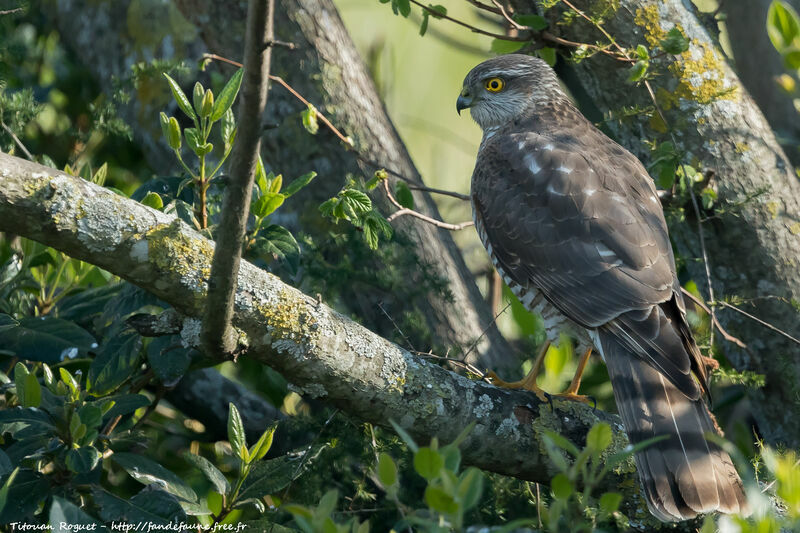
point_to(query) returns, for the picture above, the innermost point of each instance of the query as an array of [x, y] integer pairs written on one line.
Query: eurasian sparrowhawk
[[573, 224]]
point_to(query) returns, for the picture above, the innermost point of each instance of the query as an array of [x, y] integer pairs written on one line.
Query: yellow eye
[[494, 85]]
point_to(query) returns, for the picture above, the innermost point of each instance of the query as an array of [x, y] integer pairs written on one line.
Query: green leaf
[[563, 443], [555, 454], [46, 339], [99, 177], [6, 487], [503, 46], [638, 71], [438, 500], [278, 241], [228, 128], [642, 52], [423, 27], [403, 195], [628, 451], [193, 140], [70, 381], [197, 96], [428, 463], [299, 183], [153, 199], [452, 457], [150, 506], [309, 117], [29, 392], [164, 121], [117, 361], [260, 448], [561, 487], [147, 471], [403, 7], [791, 58], [227, 96], [405, 436], [276, 183], [236, 435], [65, 513], [387, 470], [124, 404], [83, 460], [174, 134], [270, 476], [267, 203], [537, 22], [599, 437], [675, 42], [180, 98], [708, 196], [168, 358], [91, 415], [783, 25], [470, 487], [357, 200], [210, 471], [207, 104], [609, 502], [548, 55]]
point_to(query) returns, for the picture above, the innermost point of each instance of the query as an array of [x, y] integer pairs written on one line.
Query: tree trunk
[[318, 349], [758, 64], [327, 70], [753, 244]]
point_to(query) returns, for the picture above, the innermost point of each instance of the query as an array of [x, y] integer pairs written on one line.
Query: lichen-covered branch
[[753, 237], [319, 350]]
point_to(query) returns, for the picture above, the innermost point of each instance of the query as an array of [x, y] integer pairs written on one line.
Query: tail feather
[[685, 474]]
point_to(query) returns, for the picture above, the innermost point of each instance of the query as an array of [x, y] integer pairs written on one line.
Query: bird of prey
[[573, 224]]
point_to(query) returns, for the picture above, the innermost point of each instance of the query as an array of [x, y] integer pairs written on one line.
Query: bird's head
[[505, 87]]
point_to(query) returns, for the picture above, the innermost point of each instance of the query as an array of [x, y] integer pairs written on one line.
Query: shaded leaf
[[439, 500], [387, 470], [71, 517], [428, 463], [149, 472], [46, 339], [236, 434], [150, 505], [117, 361], [561, 487], [168, 358], [210, 471], [83, 459], [675, 42], [272, 475]]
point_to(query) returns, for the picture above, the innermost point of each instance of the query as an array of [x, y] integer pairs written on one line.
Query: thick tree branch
[[218, 335], [319, 350]]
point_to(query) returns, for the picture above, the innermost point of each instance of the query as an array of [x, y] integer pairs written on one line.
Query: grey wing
[[587, 229]]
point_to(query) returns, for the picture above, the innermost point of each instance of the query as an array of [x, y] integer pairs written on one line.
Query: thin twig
[[756, 319], [15, 138], [12, 11], [475, 344], [470, 27], [514, 24], [725, 335], [456, 362], [408, 341], [416, 214], [485, 7], [453, 194]]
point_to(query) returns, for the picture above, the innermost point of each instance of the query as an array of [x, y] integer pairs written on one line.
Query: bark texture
[[318, 349], [328, 71], [758, 64], [754, 244]]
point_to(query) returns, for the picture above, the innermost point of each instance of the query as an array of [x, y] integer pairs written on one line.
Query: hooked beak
[[464, 101]]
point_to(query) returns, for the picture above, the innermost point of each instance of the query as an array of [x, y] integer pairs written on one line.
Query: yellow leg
[[528, 382], [572, 391]]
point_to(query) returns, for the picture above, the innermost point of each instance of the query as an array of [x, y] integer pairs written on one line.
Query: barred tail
[[683, 475]]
